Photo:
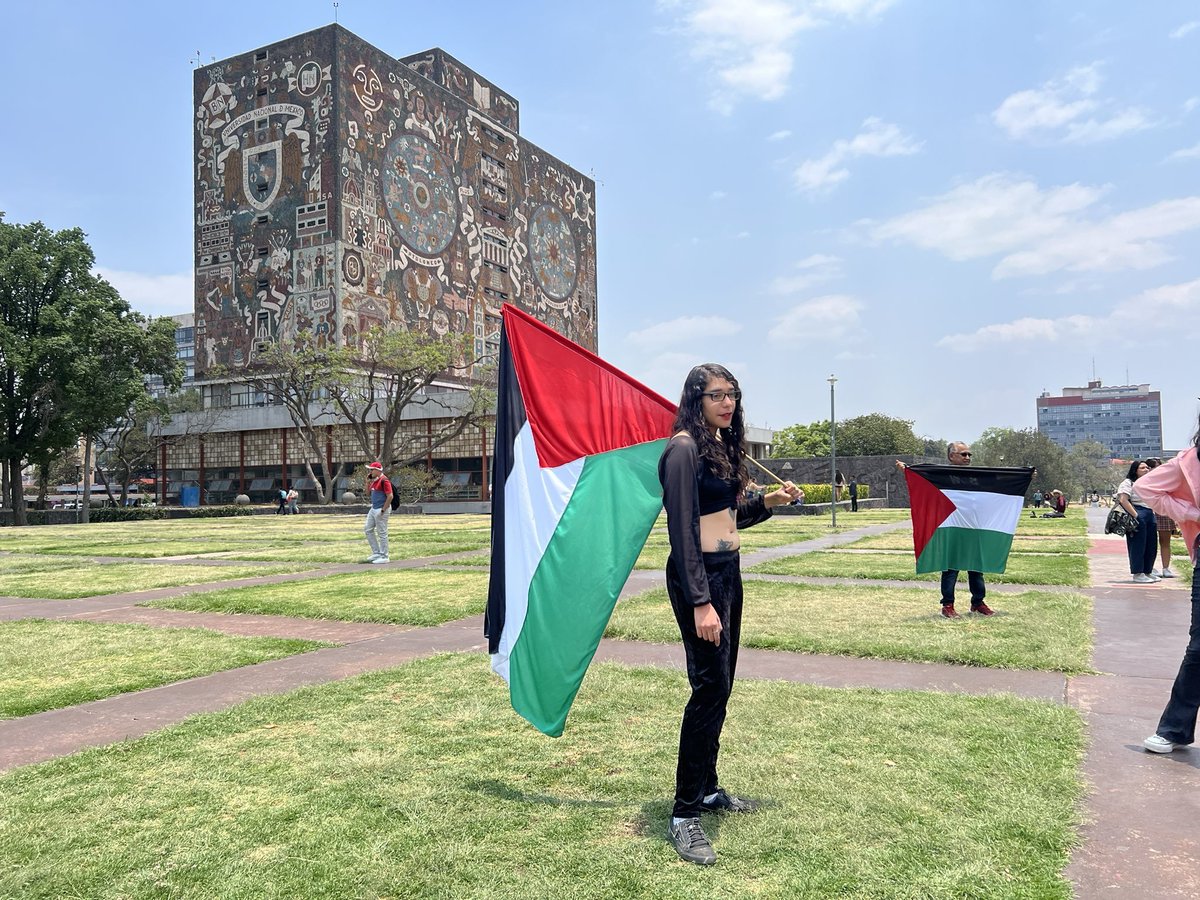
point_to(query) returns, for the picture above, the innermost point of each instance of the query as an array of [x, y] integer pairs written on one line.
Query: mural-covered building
[[338, 189]]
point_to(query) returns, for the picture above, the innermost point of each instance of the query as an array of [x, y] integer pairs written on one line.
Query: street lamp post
[[832, 452]]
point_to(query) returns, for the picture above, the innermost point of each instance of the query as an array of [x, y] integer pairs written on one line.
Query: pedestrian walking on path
[[1141, 543], [704, 479], [379, 489], [1174, 489]]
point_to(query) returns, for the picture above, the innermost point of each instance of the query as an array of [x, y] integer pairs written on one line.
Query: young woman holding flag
[[703, 474]]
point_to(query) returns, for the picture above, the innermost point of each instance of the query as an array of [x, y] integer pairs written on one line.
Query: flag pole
[[751, 459]]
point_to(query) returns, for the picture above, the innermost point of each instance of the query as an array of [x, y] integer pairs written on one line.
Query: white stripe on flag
[[980, 509], [534, 501]]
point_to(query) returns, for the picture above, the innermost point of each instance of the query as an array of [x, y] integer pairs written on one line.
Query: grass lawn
[[402, 597], [1032, 630], [327, 538], [1023, 568], [902, 540], [1073, 524], [58, 579], [420, 782], [49, 665]]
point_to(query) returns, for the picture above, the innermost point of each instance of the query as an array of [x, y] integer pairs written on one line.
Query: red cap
[[375, 465]]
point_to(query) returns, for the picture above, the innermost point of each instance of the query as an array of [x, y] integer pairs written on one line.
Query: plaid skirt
[[1166, 525]]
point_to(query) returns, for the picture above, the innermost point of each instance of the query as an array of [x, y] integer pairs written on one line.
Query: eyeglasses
[[719, 396], [966, 453]]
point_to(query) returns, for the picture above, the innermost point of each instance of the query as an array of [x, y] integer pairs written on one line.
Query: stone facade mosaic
[[338, 188]]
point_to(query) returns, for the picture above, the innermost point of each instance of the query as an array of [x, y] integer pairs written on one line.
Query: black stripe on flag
[[510, 419], [1011, 480]]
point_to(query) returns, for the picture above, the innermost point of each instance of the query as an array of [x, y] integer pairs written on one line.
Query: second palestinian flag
[[964, 517], [575, 493]]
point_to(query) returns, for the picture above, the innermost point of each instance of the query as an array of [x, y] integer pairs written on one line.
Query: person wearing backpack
[[379, 489], [281, 510]]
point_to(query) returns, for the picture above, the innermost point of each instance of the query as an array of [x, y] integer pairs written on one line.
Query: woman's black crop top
[[692, 490]]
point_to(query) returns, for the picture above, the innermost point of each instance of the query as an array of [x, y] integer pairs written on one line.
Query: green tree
[[801, 441], [877, 435], [299, 379], [72, 353], [1092, 469], [391, 373], [1027, 447]]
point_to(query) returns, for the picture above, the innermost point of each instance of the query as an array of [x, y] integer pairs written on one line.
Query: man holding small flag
[[964, 519]]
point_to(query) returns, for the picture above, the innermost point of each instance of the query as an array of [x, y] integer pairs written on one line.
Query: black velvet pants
[[1178, 722], [710, 669]]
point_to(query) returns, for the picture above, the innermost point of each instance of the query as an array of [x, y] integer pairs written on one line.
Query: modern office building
[[185, 352], [338, 189], [1127, 419]]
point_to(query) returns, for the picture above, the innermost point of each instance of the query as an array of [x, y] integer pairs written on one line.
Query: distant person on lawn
[[379, 490], [958, 453]]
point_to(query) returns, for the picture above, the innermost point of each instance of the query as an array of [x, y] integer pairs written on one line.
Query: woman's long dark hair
[[1132, 474], [726, 458]]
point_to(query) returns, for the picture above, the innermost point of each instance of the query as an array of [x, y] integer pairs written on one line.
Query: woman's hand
[[788, 493], [708, 624], [1123, 499]]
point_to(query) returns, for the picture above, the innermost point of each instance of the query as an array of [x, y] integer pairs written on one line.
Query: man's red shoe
[[948, 611], [983, 609]]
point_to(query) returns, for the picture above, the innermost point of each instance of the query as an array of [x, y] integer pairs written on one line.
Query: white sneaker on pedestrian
[[1167, 573], [1142, 578], [380, 560], [1158, 744], [371, 558]]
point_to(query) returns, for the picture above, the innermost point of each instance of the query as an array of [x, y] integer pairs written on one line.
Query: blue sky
[[950, 206]]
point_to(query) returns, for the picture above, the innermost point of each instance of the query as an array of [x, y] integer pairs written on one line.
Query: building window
[[494, 214], [494, 294], [262, 220], [494, 135], [495, 267], [495, 248], [493, 170], [264, 252], [262, 92], [260, 56]]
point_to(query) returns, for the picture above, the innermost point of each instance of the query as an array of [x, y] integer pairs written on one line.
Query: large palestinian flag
[[575, 493], [964, 517]]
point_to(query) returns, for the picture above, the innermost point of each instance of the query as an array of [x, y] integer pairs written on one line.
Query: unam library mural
[[339, 189]]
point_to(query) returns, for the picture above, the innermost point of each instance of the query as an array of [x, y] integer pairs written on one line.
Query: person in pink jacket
[[1173, 489]]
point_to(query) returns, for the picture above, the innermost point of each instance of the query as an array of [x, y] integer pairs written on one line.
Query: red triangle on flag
[[930, 508], [576, 403]]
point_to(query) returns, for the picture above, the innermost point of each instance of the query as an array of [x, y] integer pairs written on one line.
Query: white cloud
[[814, 269], [832, 316], [875, 138], [749, 43], [717, 195], [684, 330], [1040, 231], [154, 295], [741, 235], [1134, 318], [1192, 152], [779, 135], [1185, 29], [1067, 110], [1190, 103]]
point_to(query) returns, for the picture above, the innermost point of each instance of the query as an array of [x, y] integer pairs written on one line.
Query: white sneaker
[[380, 560], [371, 558], [1167, 573], [1142, 578], [1158, 744]]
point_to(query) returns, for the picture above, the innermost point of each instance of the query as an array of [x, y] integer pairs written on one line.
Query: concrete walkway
[[1140, 838]]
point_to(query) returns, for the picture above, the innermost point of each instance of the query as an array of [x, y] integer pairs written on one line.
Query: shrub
[[219, 512], [819, 493], [126, 513]]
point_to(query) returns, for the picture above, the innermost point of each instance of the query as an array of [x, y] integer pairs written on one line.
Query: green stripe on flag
[[965, 549], [577, 581]]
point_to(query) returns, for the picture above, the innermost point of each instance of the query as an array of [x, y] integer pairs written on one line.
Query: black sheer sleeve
[[751, 511], [678, 471]]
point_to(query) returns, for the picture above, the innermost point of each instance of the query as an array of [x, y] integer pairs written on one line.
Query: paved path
[[1143, 810], [1141, 838]]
